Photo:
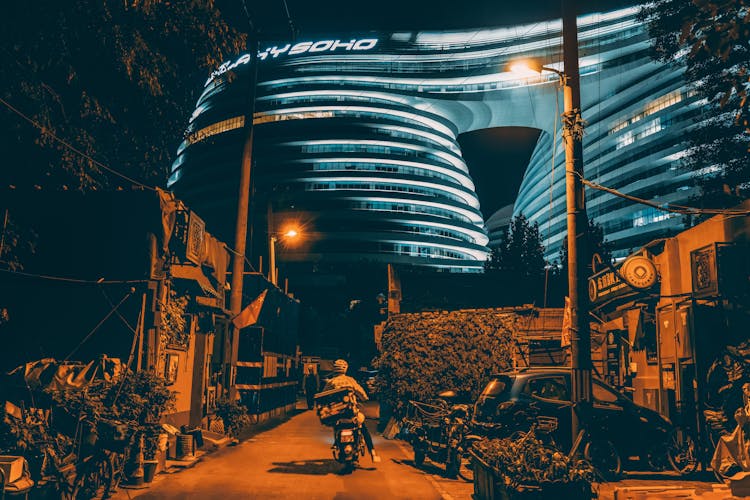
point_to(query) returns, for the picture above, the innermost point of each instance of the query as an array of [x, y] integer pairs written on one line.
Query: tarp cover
[[49, 374]]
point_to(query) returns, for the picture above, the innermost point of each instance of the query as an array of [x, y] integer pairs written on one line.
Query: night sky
[[337, 16], [496, 157]]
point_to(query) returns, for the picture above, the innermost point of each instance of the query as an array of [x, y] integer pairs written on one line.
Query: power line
[[74, 280], [46, 131], [235, 252], [668, 207], [88, 336]]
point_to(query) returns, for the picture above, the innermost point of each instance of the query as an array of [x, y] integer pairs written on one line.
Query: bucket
[[185, 449], [149, 470]]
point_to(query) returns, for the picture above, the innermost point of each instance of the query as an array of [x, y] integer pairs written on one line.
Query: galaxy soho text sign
[[321, 46]]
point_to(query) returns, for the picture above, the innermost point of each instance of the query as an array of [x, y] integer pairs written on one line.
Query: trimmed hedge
[[426, 353]]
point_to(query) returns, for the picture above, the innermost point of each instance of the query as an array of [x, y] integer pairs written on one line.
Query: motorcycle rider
[[340, 381]]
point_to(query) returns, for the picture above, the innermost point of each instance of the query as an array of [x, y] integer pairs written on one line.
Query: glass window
[[548, 388], [497, 386], [603, 395]]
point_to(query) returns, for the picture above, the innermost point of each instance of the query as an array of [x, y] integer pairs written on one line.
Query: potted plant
[[151, 442], [234, 415]]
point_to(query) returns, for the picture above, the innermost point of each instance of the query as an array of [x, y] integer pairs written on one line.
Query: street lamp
[[577, 221], [273, 273]]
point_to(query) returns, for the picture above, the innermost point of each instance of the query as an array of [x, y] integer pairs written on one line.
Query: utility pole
[[580, 342], [240, 233]]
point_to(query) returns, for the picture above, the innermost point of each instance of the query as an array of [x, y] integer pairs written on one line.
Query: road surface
[[293, 460]]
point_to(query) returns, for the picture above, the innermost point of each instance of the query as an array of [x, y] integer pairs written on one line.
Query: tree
[[16, 244], [711, 38], [519, 260], [521, 251], [114, 80], [596, 245]]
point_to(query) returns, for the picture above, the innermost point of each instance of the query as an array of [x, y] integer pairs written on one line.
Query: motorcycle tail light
[[348, 449], [346, 436]]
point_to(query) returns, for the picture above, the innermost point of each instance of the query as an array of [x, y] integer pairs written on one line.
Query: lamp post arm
[[561, 74]]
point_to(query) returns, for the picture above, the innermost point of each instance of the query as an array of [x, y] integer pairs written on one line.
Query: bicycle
[[102, 467]]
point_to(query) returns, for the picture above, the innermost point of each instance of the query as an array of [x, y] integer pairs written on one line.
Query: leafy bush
[[426, 353], [234, 415], [137, 398], [528, 461]]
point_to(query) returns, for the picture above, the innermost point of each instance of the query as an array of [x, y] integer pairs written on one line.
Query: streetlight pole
[[289, 234], [580, 338], [272, 260], [240, 233], [577, 221]]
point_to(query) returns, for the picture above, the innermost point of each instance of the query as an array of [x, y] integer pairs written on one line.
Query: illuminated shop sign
[[637, 274], [319, 47]]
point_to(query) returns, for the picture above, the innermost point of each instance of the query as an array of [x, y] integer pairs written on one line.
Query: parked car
[[513, 400]]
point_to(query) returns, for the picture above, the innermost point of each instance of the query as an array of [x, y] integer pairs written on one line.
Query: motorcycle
[[442, 432], [337, 408]]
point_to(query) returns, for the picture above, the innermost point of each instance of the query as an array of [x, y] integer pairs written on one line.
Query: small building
[[668, 311], [138, 276]]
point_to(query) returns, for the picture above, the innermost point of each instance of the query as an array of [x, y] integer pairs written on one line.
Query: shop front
[[669, 312]]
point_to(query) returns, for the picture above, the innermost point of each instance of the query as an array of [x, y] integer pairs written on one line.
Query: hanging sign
[[635, 275]]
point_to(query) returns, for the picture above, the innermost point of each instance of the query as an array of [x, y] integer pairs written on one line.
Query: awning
[[194, 273]]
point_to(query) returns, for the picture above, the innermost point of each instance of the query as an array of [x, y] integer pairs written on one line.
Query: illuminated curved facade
[[356, 137]]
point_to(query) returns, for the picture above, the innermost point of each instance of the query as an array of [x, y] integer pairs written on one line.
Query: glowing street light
[[273, 273]]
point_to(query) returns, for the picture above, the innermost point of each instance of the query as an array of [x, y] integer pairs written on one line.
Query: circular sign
[[639, 272]]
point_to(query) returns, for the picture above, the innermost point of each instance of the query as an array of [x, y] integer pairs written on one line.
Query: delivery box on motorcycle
[[335, 405]]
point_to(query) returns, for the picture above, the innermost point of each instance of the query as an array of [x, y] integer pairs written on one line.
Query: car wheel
[[604, 457]]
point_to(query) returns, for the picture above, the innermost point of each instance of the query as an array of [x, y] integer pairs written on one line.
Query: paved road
[[294, 460]]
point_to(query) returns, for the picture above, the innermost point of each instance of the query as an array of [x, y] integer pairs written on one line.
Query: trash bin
[[185, 447], [149, 470], [197, 434]]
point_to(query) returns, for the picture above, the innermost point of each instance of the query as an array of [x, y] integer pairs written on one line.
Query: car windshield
[[496, 386], [496, 391]]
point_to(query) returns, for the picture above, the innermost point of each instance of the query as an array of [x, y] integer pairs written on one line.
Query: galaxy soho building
[[356, 137]]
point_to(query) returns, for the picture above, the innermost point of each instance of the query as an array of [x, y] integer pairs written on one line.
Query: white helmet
[[340, 366]]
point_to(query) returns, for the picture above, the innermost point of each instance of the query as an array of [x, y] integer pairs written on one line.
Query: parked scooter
[[337, 408], [441, 431]]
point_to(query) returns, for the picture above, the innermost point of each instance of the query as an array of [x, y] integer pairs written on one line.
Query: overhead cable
[[49, 133], [88, 336], [100, 281], [667, 207]]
